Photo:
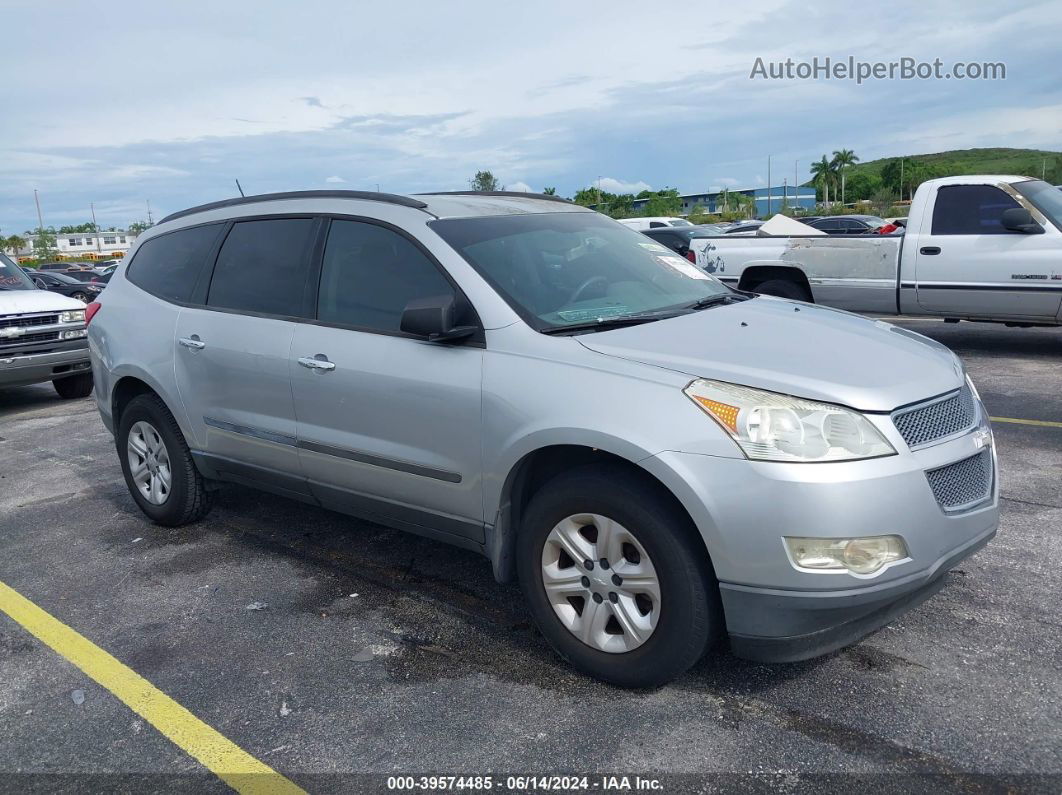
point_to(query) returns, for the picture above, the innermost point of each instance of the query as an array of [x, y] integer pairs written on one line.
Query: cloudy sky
[[124, 102]]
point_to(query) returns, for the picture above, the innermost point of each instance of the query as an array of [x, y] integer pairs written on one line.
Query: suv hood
[[19, 302], [798, 349]]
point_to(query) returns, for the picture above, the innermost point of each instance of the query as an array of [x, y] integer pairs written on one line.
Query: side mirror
[[40, 284], [1018, 219], [432, 319]]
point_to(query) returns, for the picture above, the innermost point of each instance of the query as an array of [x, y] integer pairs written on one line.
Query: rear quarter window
[[169, 265]]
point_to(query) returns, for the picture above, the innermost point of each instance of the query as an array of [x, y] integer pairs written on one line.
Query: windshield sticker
[[583, 315], [683, 266]]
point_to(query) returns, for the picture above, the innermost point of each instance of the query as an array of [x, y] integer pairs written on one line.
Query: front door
[[232, 355], [969, 264], [388, 425]]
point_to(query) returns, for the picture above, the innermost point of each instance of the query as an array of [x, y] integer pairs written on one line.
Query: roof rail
[[514, 193], [390, 198]]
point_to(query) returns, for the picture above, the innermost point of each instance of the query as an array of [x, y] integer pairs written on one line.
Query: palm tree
[[823, 175], [841, 159], [14, 243]]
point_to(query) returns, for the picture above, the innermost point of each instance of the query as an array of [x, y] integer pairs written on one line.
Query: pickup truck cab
[[976, 248], [42, 336]]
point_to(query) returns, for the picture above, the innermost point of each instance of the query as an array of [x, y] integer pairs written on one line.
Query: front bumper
[[64, 358], [743, 510], [785, 626]]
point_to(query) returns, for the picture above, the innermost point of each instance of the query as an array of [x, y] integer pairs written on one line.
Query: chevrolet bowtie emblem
[[10, 331]]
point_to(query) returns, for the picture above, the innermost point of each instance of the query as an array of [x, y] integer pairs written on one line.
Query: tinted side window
[[168, 265], [262, 267], [370, 273], [970, 210]]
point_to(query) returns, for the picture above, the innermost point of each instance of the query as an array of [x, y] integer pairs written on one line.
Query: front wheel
[[80, 296], [616, 577], [158, 466]]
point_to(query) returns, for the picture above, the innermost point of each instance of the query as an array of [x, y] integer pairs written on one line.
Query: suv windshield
[[1044, 197], [12, 277], [572, 268]]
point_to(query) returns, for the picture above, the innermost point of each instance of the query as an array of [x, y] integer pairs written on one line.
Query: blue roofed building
[[715, 201]]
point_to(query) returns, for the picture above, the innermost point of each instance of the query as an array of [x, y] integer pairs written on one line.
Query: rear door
[[967, 263], [388, 425], [232, 352]]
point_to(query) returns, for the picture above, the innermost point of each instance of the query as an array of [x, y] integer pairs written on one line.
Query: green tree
[[862, 185], [882, 200], [88, 226], [842, 158], [549, 191], [44, 245], [663, 202], [484, 182], [823, 177], [14, 243], [137, 227]]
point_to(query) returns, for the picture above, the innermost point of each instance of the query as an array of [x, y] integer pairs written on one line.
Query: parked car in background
[[660, 461], [65, 284], [80, 275], [978, 247], [677, 238], [53, 266], [847, 224], [42, 336], [743, 227], [106, 266], [655, 222]]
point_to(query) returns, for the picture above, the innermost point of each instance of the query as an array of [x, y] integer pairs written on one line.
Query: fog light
[[855, 555], [74, 334]]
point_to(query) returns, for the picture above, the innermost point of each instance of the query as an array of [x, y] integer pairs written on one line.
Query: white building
[[87, 245]]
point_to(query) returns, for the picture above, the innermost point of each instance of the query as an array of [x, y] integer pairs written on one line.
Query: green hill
[[957, 162], [877, 179]]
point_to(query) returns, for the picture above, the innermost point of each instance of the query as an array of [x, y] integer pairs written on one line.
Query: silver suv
[[663, 462]]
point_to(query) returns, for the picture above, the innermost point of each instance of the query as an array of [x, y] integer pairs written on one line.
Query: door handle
[[192, 342], [929, 250], [318, 363]]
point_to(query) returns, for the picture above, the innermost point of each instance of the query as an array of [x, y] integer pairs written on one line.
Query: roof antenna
[[239, 188]]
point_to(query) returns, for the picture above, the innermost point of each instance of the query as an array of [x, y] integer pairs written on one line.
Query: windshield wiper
[[602, 323], [716, 300]]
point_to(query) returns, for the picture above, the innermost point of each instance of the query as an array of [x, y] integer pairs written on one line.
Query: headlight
[[769, 426], [861, 556], [72, 316]]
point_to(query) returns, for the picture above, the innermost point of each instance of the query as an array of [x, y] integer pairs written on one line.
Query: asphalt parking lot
[[375, 651]]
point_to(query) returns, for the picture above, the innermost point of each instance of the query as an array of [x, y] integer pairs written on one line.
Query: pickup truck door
[[968, 264]]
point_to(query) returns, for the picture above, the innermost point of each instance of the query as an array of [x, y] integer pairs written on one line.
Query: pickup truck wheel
[[157, 465], [783, 288], [74, 386], [615, 577]]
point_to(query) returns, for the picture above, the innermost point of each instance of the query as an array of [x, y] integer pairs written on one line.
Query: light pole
[[768, 185], [95, 227]]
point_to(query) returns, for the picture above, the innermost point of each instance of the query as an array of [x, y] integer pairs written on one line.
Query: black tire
[[74, 386], [188, 500], [80, 296], [783, 288], [690, 617]]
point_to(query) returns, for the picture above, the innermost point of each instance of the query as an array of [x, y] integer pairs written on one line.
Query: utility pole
[[40, 218], [1043, 169], [768, 185], [785, 193], [150, 221], [901, 179], [796, 182], [95, 227], [599, 193]]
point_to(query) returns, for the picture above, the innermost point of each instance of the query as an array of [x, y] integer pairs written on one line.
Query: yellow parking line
[[1041, 423], [217, 753]]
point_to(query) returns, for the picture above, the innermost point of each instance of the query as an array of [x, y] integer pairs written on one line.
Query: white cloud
[[522, 187], [334, 179], [610, 185], [728, 181]]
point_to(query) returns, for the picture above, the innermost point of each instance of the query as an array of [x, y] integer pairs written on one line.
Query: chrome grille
[[939, 418], [47, 336], [28, 320], [964, 483]]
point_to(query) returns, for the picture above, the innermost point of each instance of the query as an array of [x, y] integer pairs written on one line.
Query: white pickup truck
[[976, 248], [42, 336]]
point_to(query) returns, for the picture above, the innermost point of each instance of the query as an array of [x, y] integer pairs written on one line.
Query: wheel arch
[[757, 272], [537, 466], [128, 385]]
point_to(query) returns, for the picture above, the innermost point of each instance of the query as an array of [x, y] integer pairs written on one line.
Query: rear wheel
[[74, 386], [783, 288], [80, 296], [616, 578], [158, 466]]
